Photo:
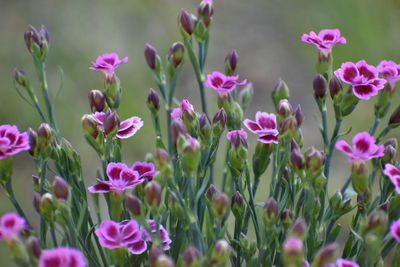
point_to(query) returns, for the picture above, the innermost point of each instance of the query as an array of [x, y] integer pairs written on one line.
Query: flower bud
[[299, 115], [299, 228], [44, 135], [220, 205], [219, 122], [47, 206], [231, 61], [319, 86], [89, 125], [177, 129], [32, 39], [186, 23], [151, 54], [60, 188], [191, 257], [97, 101], [154, 254], [164, 261], [220, 253], [377, 223], [246, 95], [289, 126], [335, 87], [34, 248], [284, 108], [113, 91], [111, 123], [20, 78], [211, 192], [327, 254], [392, 142], [389, 154], [153, 194], [292, 252], [281, 91], [191, 155], [206, 11], [270, 210], [237, 204], [286, 217], [359, 176], [153, 101], [176, 53], [394, 120], [135, 206], [33, 139], [205, 129], [297, 159], [315, 160], [36, 202]]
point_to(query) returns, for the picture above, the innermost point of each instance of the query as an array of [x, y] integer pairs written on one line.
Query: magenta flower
[[176, 113], [11, 225], [237, 137], [325, 40], [395, 230], [362, 77], [127, 128], [120, 177], [113, 235], [390, 71], [346, 263], [12, 141], [264, 127], [145, 169], [223, 84], [108, 63], [364, 148], [394, 175], [62, 257]]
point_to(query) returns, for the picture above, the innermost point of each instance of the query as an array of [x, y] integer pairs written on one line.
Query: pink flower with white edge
[[265, 127], [113, 235], [364, 148], [346, 263], [11, 225], [127, 128], [394, 175], [362, 77], [390, 72], [12, 141], [120, 177], [237, 137], [395, 230], [62, 257], [108, 63], [145, 169], [325, 40], [223, 84]]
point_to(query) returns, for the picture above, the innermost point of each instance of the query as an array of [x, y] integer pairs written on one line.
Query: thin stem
[[338, 124], [11, 196], [374, 125]]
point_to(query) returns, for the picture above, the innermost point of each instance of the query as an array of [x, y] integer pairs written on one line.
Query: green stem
[[11, 196], [330, 148], [374, 125]]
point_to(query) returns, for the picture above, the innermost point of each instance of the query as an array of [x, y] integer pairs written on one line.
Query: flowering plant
[[171, 209]]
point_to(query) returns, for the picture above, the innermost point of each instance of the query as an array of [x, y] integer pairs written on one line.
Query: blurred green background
[[266, 34]]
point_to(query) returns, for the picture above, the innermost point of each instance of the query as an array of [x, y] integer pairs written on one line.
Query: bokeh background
[[266, 34]]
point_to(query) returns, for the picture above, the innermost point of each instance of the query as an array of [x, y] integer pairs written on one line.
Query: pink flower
[[11, 225], [395, 230], [185, 109], [346, 263], [390, 71], [264, 127], [127, 128], [108, 63], [364, 148], [113, 235], [223, 84], [325, 39], [237, 137], [120, 177], [62, 257], [394, 175], [164, 236], [362, 77], [145, 169], [12, 141], [176, 113]]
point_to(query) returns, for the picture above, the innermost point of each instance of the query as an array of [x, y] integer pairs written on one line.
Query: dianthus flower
[[11, 225], [113, 235], [12, 141], [223, 84], [364, 148], [362, 77], [120, 177], [237, 137], [395, 230], [62, 257], [145, 169], [264, 127], [346, 263], [127, 128], [394, 175], [390, 72], [108, 63], [325, 40]]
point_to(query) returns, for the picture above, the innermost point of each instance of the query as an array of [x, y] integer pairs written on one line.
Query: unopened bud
[[20, 77], [286, 217], [231, 61], [177, 129], [36, 202], [237, 204], [206, 11], [153, 194], [97, 100], [284, 108], [219, 122], [327, 254], [377, 222], [211, 192], [246, 95], [153, 101], [221, 252], [176, 53], [281, 91], [33, 139], [392, 142], [299, 115], [315, 160], [164, 261], [359, 176], [319, 86], [186, 23], [135, 206], [389, 154], [34, 248], [151, 54], [191, 155], [394, 120], [44, 135], [289, 126], [89, 125], [32, 39], [154, 253], [111, 123], [335, 87], [205, 128], [292, 252], [297, 159], [220, 205], [47, 206], [270, 210], [299, 228], [60, 188], [191, 257]]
